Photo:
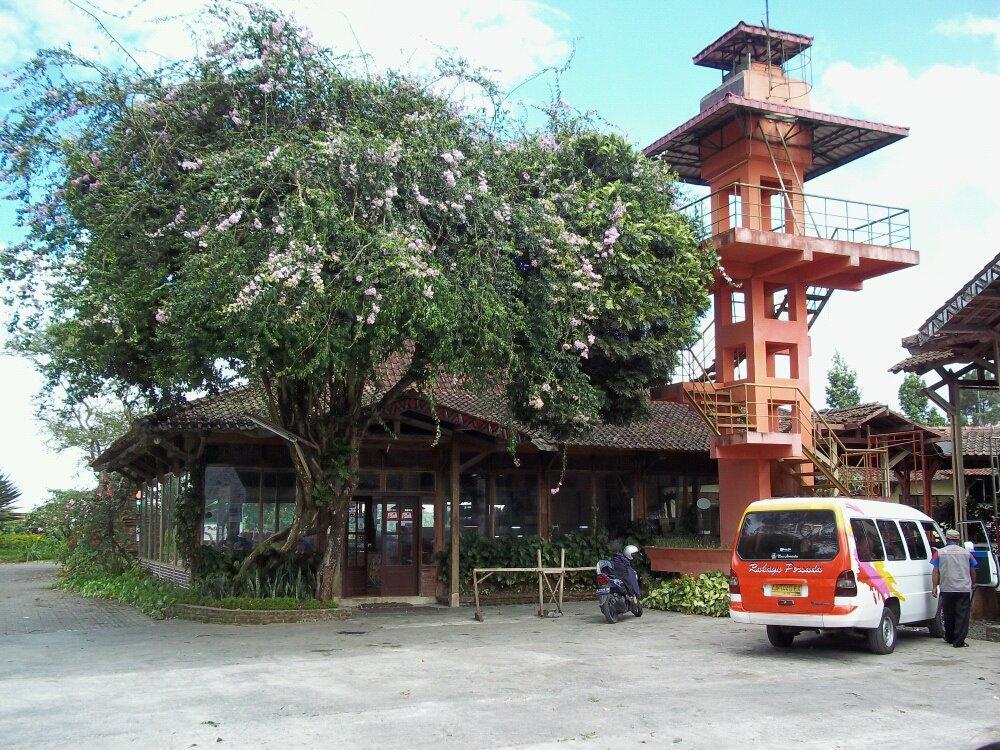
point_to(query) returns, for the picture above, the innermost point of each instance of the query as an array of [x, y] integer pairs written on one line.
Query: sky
[[932, 66]]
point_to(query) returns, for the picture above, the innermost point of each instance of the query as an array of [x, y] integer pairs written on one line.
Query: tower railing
[[747, 407], [789, 212]]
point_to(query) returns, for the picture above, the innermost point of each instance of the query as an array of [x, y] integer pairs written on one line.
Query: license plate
[[605, 590], [786, 589]]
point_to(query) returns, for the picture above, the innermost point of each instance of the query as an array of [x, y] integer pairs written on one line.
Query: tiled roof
[[858, 413], [924, 361], [976, 440], [670, 426]]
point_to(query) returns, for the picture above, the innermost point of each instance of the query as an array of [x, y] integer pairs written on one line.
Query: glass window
[[570, 508], [615, 497], [867, 540], [515, 505], [663, 498], [231, 505], [789, 535], [892, 539], [932, 535], [915, 542], [472, 503], [427, 533], [410, 481], [368, 480]]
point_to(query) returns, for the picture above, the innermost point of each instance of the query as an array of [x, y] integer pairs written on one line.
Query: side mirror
[[970, 546]]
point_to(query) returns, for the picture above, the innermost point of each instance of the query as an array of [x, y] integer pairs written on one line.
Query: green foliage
[[248, 602], [980, 407], [9, 493], [582, 550], [915, 403], [842, 385], [188, 515], [696, 541], [90, 575], [20, 547], [216, 575], [705, 594], [267, 213]]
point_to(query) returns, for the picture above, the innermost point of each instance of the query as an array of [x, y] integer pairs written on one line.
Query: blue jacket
[[625, 571]]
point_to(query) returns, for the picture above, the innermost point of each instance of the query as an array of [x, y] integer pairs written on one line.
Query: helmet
[[630, 551]]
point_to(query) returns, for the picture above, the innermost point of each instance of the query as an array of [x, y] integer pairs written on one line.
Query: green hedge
[[29, 547], [582, 550], [705, 594], [248, 602]]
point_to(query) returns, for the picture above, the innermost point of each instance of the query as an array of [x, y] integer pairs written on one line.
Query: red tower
[[782, 252]]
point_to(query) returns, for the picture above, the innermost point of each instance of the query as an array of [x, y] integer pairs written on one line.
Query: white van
[[835, 563]]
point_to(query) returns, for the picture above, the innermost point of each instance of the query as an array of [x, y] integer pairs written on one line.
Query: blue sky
[[930, 65]]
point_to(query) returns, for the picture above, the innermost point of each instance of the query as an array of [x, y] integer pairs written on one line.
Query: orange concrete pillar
[[741, 482]]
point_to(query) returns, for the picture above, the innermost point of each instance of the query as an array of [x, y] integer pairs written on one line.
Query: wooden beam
[[475, 460], [454, 475]]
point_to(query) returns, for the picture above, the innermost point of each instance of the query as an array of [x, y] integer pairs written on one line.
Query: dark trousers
[[956, 607]]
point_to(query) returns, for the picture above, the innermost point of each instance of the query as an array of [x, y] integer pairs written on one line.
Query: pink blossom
[[449, 177], [358, 279], [267, 87], [278, 229], [277, 27], [256, 223], [189, 166], [162, 316]]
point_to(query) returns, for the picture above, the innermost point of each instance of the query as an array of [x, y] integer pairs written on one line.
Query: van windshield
[[789, 535]]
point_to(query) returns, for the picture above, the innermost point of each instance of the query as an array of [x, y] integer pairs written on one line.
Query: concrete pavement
[[435, 678]]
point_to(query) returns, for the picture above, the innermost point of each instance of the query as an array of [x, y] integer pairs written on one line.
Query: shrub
[[29, 547], [130, 585], [705, 594]]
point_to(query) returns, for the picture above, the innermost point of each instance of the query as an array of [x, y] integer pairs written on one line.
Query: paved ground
[[435, 678]]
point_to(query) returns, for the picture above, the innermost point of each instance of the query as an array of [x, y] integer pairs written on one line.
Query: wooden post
[[562, 575], [541, 592], [455, 521], [957, 449]]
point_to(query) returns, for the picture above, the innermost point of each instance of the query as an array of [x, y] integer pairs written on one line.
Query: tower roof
[[745, 40], [836, 140]]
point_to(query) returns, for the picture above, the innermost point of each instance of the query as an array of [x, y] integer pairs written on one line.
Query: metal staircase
[[826, 466]]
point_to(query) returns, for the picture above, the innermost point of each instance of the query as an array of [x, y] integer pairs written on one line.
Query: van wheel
[[882, 640], [779, 636], [936, 626]]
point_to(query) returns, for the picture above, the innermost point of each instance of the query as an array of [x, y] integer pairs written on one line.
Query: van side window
[[915, 542], [933, 537], [894, 549], [867, 540]]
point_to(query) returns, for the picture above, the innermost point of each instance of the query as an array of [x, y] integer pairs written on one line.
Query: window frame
[[899, 536], [924, 546], [874, 527]]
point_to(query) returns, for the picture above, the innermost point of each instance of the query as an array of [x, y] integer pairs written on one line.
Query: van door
[[983, 549], [902, 576], [919, 551]]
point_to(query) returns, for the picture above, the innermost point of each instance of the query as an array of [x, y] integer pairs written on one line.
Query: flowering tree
[[261, 214]]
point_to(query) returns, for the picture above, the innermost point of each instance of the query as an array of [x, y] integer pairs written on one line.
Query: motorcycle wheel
[[636, 609], [608, 612]]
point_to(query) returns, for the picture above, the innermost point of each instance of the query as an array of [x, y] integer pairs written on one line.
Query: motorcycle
[[613, 594]]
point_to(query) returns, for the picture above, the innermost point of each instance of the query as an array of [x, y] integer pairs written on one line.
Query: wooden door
[[360, 547], [400, 552]]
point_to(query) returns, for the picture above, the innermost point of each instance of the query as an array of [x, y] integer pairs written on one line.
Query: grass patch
[[250, 603], [29, 548], [687, 541]]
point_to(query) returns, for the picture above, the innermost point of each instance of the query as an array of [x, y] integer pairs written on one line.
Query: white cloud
[[944, 173], [514, 39], [969, 25]]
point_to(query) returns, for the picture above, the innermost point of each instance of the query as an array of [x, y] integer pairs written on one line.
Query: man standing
[[953, 575]]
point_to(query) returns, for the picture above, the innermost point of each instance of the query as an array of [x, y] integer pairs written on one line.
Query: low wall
[[254, 616], [174, 574], [690, 560]]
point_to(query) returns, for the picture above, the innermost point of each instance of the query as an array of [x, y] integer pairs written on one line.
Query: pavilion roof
[[670, 426], [757, 42], [962, 329], [836, 140]]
